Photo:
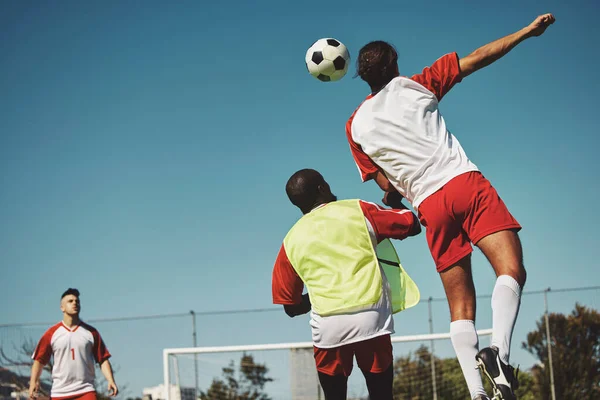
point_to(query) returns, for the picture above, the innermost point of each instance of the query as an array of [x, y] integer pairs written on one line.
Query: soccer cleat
[[503, 377]]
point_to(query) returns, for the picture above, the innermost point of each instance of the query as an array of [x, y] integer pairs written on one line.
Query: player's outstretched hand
[[393, 199], [539, 25], [113, 390]]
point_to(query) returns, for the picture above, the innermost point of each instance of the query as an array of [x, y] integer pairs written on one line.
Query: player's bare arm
[[107, 371], [293, 310], [383, 182], [34, 381], [486, 55]]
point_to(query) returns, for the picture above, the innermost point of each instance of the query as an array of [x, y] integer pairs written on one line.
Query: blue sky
[[144, 149]]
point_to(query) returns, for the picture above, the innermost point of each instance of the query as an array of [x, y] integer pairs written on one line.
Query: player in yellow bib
[[333, 252]]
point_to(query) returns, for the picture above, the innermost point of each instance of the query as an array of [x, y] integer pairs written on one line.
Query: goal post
[[284, 354]]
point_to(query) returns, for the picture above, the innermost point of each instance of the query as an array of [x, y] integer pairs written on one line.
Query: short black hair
[[303, 188], [69, 291], [376, 63]]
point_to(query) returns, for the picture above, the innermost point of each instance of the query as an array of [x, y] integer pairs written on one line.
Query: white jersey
[[75, 352], [401, 130]]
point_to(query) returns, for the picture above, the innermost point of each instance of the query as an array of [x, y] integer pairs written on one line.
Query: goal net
[[425, 367]]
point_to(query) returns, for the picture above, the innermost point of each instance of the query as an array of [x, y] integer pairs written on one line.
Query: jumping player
[[399, 138], [76, 347], [331, 250]]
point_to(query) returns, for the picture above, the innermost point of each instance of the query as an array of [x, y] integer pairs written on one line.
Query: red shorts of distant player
[[83, 396], [372, 355], [462, 212]]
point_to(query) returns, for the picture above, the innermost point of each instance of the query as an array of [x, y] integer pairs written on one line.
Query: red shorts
[[373, 355], [462, 212], [83, 396]]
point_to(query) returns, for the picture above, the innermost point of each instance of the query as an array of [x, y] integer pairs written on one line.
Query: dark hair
[[376, 63], [69, 291], [303, 188]]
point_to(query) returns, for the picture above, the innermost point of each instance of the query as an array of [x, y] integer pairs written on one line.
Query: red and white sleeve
[[286, 284], [101, 353], [366, 167], [441, 76], [388, 223], [43, 350]]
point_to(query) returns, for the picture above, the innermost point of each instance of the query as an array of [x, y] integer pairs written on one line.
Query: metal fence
[[137, 342]]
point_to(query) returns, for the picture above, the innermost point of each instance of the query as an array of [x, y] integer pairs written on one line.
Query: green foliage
[[412, 379], [247, 384], [575, 340]]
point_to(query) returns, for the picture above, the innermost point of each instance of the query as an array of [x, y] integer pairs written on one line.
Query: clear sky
[[145, 146]]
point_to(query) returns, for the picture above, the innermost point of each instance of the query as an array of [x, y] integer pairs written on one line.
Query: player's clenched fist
[[539, 25]]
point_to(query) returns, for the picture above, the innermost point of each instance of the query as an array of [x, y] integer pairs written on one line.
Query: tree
[[412, 379], [575, 341], [22, 361], [248, 384]]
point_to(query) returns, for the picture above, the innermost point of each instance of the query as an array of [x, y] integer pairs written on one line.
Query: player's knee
[[462, 310], [516, 271]]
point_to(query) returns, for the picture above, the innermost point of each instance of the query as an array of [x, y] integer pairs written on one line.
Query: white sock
[[466, 345], [506, 300]]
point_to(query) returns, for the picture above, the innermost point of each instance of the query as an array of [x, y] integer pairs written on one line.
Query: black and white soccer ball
[[327, 60]]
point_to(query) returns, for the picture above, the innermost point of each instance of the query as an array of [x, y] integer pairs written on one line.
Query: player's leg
[[334, 366], [503, 250], [460, 292], [334, 387], [494, 230], [376, 361], [451, 250], [380, 385]]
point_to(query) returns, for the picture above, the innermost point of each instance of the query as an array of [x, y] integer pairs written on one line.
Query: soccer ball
[[327, 60]]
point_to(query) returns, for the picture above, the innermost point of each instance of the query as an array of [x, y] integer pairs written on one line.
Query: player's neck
[[71, 320]]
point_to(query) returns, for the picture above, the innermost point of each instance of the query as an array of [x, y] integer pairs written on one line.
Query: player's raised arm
[[486, 55]]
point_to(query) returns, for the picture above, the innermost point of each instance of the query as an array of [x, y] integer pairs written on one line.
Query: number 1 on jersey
[[72, 354]]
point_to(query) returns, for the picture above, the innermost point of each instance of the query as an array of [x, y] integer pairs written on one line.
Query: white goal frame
[[167, 353]]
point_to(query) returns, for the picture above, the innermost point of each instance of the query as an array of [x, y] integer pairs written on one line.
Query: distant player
[[76, 348], [331, 250], [399, 138]]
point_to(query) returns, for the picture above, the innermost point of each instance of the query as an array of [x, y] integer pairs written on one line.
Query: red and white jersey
[[401, 130], [75, 352], [366, 323]]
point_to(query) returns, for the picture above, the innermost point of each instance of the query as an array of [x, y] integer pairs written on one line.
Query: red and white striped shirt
[[401, 130], [75, 352]]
